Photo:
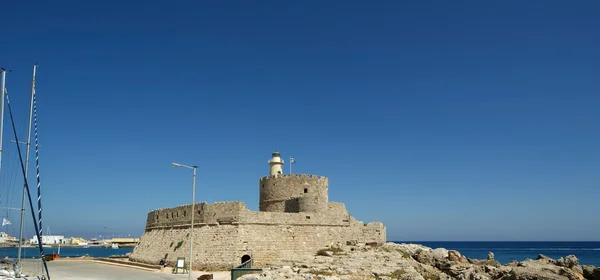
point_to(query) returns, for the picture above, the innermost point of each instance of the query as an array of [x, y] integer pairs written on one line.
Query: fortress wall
[[221, 247], [278, 193], [237, 212], [215, 247], [337, 208], [204, 213], [304, 218], [269, 243], [224, 212]]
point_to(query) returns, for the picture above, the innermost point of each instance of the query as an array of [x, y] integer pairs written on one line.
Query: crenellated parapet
[[204, 213], [307, 176]]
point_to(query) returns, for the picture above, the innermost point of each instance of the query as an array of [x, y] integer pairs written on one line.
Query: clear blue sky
[[446, 120]]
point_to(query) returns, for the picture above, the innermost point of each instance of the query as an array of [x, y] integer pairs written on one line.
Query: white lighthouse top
[[276, 164]]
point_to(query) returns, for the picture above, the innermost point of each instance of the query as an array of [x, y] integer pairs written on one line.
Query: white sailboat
[[17, 266]]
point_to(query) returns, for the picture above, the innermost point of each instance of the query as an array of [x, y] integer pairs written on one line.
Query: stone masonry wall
[[221, 247], [266, 244], [281, 193], [215, 247], [205, 214], [228, 231]]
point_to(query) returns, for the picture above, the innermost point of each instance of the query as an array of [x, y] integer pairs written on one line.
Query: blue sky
[[446, 120]]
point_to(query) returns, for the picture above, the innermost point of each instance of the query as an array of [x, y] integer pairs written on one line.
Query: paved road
[[90, 270]]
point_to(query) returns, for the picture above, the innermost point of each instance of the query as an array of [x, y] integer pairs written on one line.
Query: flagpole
[[290, 165]]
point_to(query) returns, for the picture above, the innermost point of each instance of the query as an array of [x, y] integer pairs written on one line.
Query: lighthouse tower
[[276, 163]]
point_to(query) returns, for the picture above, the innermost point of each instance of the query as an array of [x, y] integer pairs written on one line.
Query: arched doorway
[[245, 258]]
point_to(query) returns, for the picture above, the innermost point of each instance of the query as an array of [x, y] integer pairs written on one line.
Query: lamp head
[[176, 164]]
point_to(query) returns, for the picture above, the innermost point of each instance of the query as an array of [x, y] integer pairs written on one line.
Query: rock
[[480, 276], [571, 274], [588, 272], [455, 256], [596, 275], [411, 276], [392, 261], [544, 258], [251, 277], [571, 261], [425, 257], [351, 242], [525, 273], [440, 254], [493, 263], [513, 264]]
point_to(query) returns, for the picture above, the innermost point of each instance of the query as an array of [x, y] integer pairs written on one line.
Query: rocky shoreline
[[416, 262]]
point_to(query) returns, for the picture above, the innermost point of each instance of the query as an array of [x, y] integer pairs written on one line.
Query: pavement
[[93, 270]]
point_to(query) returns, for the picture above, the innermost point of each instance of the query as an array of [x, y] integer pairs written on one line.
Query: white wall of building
[[48, 239]]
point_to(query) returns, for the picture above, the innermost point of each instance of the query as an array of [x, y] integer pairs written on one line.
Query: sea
[[588, 253], [65, 252]]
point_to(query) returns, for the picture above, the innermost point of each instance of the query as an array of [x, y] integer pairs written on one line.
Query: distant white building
[[48, 239], [6, 238]]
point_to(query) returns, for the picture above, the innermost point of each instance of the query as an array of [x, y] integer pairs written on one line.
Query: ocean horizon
[[588, 252]]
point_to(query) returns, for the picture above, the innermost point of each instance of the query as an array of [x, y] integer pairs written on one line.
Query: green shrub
[[396, 274], [431, 277], [178, 245], [404, 254]]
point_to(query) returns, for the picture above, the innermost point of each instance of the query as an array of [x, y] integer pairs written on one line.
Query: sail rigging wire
[[37, 163], [37, 230]]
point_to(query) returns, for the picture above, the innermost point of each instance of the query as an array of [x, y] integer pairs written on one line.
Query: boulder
[[425, 257], [493, 263], [569, 261], [440, 254], [455, 256], [545, 258], [571, 274], [513, 264], [525, 273], [588, 271]]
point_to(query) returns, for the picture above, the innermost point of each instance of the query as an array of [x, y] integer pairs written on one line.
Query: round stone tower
[[276, 163], [292, 192]]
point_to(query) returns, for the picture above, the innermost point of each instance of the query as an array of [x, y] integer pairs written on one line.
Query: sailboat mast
[[3, 89], [19, 266], [35, 224]]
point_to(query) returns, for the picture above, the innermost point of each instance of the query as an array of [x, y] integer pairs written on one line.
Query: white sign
[[180, 263]]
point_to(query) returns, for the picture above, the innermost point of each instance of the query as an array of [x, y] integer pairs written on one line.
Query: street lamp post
[[192, 224]]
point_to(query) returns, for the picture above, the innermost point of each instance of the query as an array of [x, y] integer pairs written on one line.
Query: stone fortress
[[295, 218]]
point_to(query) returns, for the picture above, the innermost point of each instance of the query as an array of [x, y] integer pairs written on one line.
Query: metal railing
[[243, 269]]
